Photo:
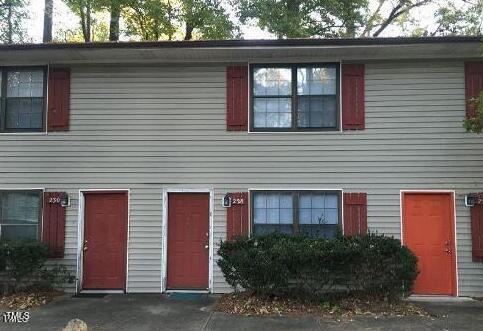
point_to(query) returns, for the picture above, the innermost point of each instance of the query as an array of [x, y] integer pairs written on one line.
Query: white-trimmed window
[[295, 97], [22, 95], [315, 213], [20, 214]]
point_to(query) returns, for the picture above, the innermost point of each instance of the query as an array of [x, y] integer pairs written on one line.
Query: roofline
[[248, 43]]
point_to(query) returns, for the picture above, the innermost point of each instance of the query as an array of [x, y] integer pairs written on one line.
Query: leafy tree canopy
[[149, 20], [454, 20], [12, 16], [205, 19], [178, 19], [358, 18], [221, 19], [301, 19]]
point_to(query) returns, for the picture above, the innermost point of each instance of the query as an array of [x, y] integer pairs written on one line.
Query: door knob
[[448, 247], [207, 246]]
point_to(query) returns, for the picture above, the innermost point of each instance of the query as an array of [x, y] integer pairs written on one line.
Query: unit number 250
[[54, 200]]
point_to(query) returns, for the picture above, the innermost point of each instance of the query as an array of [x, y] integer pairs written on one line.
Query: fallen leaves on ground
[[250, 304], [25, 300]]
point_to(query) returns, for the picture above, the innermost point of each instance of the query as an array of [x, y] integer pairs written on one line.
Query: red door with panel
[[105, 241], [188, 240], [428, 230]]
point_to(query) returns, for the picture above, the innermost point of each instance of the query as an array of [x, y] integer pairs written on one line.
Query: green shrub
[[23, 258], [22, 263], [278, 264], [54, 276]]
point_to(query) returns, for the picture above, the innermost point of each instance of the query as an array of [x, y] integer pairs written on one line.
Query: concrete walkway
[[155, 312]]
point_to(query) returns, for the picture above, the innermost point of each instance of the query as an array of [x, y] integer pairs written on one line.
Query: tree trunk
[[189, 32], [87, 35], [114, 23], [156, 31], [48, 11], [83, 22], [171, 18], [10, 23]]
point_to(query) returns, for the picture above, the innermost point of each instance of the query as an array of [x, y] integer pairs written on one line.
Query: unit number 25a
[[237, 201]]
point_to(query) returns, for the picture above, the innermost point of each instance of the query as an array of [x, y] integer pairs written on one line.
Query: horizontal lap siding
[[148, 128], [426, 100]]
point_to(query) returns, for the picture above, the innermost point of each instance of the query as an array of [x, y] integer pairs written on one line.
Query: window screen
[[272, 97], [20, 212], [295, 97], [314, 213], [23, 94], [318, 214], [273, 211], [317, 97]]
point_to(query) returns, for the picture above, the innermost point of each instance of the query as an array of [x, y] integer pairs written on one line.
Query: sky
[[65, 19]]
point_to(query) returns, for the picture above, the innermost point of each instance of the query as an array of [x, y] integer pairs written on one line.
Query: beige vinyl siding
[[151, 128], [428, 100]]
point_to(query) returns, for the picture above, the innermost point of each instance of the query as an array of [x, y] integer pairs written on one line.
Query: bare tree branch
[[398, 10], [370, 21]]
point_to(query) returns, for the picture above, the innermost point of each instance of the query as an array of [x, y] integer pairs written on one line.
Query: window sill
[[331, 131], [41, 133]]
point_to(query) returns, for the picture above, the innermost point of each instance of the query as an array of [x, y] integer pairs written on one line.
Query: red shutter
[[355, 213], [53, 224], [353, 117], [237, 98], [58, 99], [477, 230], [473, 84], [237, 216]]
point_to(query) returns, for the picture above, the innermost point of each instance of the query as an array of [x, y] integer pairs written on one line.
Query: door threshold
[[102, 291], [188, 291], [437, 298]]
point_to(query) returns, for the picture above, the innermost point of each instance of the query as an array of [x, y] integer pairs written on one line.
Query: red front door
[[428, 229], [188, 240], [105, 240]]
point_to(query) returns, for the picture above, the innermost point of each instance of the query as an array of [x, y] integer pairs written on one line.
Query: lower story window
[[20, 214], [315, 213]]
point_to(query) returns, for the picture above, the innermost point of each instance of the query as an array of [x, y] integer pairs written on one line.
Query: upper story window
[[315, 213], [295, 97], [22, 99], [20, 214]]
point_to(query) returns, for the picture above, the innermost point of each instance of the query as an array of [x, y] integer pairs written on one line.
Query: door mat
[[187, 296], [90, 295]]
